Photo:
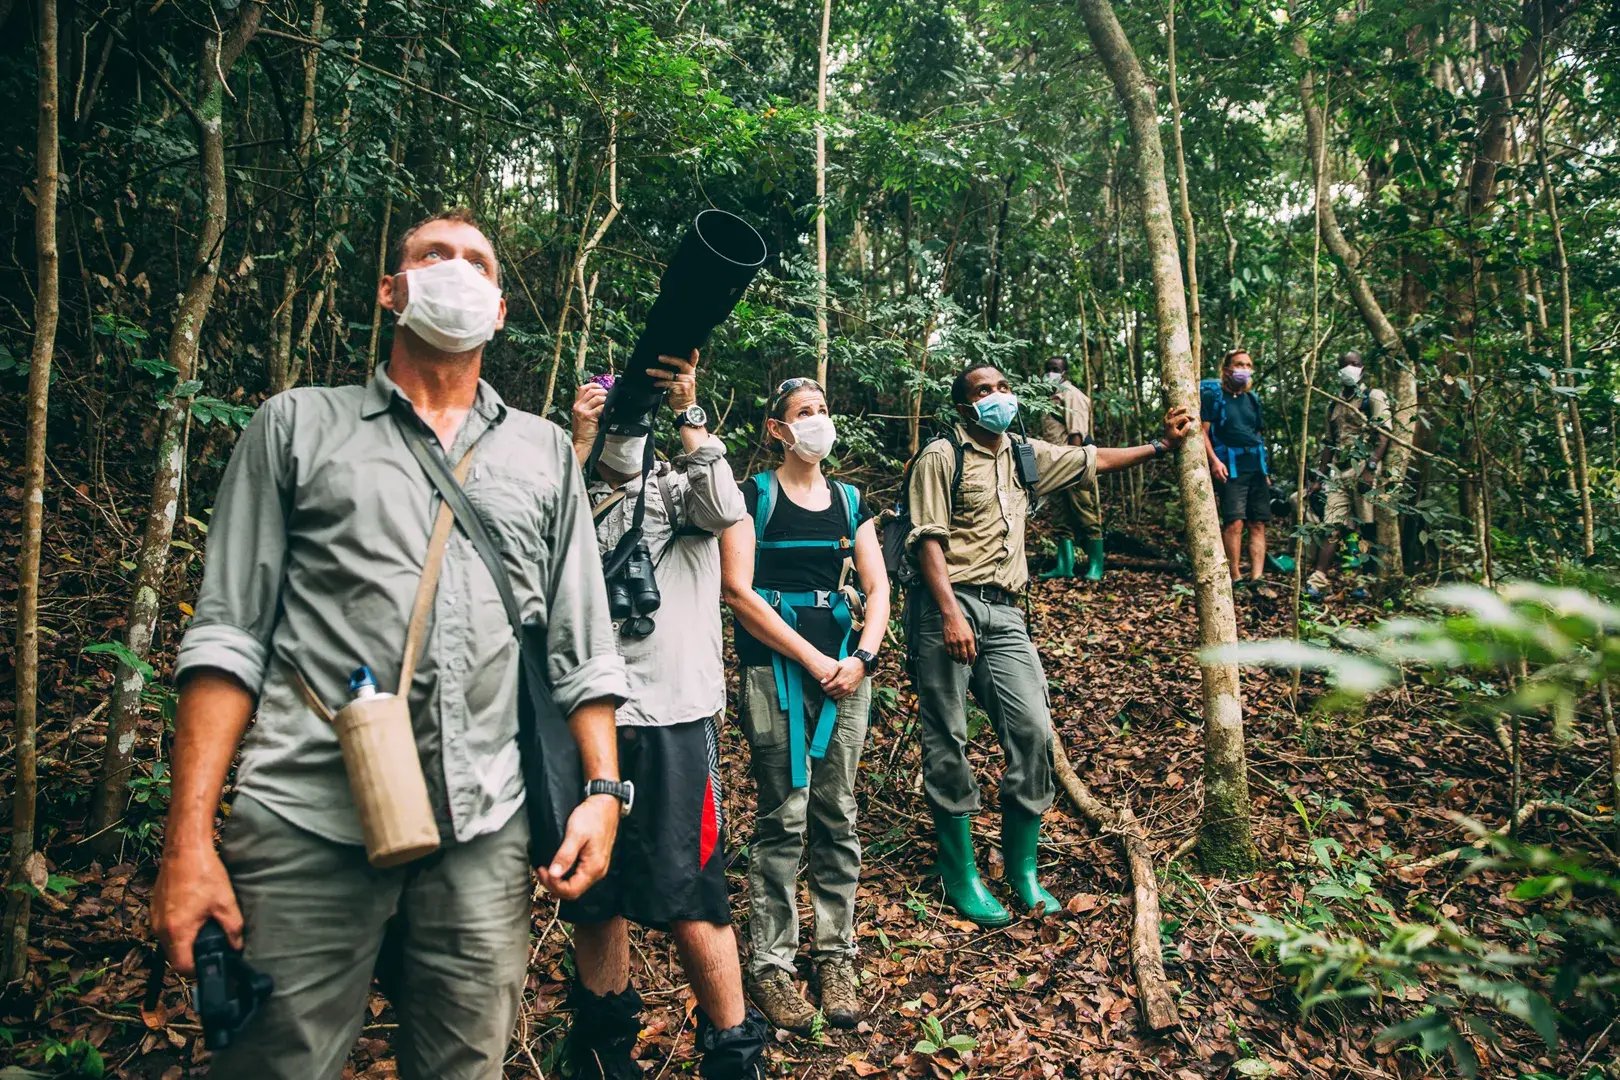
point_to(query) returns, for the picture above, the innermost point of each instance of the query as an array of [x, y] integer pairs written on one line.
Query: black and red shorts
[[669, 861]]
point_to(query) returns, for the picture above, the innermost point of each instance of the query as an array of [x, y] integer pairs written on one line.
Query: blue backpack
[[789, 675], [1212, 403]]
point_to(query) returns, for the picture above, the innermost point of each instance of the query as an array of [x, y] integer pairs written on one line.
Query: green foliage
[[935, 1041]]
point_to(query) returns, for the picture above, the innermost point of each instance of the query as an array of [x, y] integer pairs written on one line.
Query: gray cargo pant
[[457, 929], [822, 814], [1008, 683]]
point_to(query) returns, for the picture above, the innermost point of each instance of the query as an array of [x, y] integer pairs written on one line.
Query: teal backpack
[[789, 675]]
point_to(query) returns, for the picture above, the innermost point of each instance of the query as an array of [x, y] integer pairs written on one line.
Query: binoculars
[[633, 593]]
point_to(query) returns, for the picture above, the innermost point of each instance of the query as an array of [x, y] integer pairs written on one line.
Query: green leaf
[[123, 654]]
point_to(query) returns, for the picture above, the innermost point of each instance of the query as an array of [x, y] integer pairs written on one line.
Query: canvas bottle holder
[[378, 742]]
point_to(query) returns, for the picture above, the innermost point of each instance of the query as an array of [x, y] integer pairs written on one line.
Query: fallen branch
[[1526, 812], [1153, 987]]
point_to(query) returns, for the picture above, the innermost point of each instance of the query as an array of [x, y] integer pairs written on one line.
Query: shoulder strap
[[429, 584], [852, 506], [1366, 402], [472, 524], [426, 589], [765, 484]]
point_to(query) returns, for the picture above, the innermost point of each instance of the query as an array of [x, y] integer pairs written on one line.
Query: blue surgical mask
[[996, 412]]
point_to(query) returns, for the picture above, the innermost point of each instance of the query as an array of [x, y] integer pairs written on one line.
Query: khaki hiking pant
[[816, 823], [1006, 680], [1082, 510], [448, 935]]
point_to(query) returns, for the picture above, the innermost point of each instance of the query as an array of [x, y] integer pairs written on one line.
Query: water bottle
[[385, 775], [362, 684]]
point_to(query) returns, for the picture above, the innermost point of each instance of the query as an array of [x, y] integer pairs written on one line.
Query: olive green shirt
[[982, 529], [1072, 418], [315, 550]]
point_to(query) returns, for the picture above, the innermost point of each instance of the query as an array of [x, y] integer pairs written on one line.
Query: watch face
[[694, 416]]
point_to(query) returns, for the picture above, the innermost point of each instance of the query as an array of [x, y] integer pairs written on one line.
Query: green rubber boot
[[1094, 555], [1020, 835], [964, 890], [1065, 562]]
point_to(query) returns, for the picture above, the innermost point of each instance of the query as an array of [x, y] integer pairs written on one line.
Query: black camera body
[[229, 990]]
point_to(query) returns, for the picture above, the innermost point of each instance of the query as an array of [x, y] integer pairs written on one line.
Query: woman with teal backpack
[[797, 573]]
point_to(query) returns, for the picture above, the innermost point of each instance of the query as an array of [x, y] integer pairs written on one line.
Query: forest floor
[[1037, 999]]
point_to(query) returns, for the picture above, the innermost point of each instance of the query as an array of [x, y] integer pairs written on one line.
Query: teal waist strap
[[790, 676]]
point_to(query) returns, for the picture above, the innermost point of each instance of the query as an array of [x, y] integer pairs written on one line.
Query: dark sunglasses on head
[[788, 386]]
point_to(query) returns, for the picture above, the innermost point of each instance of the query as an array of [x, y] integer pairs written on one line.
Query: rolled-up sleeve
[[714, 502], [582, 657], [246, 556], [929, 495], [1060, 466]]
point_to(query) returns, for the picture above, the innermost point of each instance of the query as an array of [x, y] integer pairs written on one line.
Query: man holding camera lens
[[669, 865]]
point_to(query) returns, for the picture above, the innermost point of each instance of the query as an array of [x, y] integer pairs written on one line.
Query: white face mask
[[813, 437], [624, 454], [1053, 377], [450, 305], [1350, 375]]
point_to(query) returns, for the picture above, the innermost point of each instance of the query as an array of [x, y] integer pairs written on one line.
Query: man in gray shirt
[[317, 545], [669, 863]]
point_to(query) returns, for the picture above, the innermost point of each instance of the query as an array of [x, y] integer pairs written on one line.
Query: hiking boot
[[1065, 562], [1020, 837], [735, 1053], [840, 993], [779, 999], [959, 872], [602, 1035]]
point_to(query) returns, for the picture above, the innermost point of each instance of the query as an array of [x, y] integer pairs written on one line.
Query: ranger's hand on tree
[[1179, 424]]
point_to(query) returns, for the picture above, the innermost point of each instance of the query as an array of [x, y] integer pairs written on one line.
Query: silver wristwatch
[[692, 416]]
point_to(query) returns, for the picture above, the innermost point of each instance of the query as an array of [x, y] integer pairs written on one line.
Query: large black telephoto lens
[[712, 267]]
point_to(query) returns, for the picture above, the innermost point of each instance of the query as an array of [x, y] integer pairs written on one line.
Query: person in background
[[796, 571], [669, 864], [1353, 449], [315, 553], [1234, 440], [966, 629], [1071, 426]]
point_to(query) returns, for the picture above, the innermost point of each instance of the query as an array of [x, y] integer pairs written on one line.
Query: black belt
[[992, 594]]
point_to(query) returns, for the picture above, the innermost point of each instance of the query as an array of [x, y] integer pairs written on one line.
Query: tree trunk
[[1194, 319], [285, 362], [1392, 565], [821, 196], [1226, 839], [25, 862], [219, 55]]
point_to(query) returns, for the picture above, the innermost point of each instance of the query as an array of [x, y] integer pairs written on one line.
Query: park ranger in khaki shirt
[[966, 629], [1081, 503]]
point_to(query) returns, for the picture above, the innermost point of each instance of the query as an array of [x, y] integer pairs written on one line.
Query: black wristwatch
[[1160, 448], [867, 658], [692, 416], [623, 790]]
